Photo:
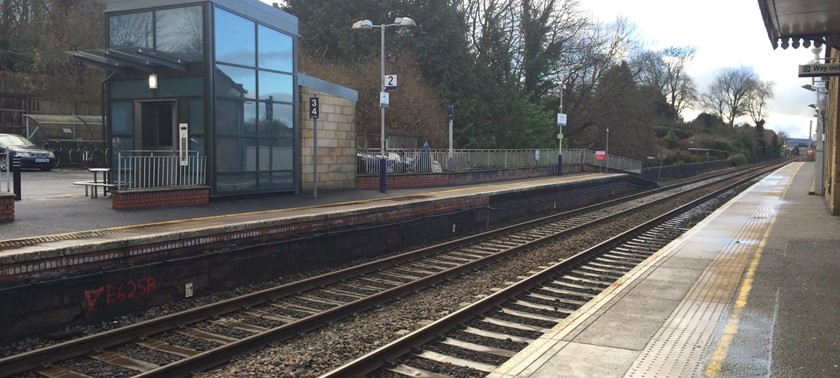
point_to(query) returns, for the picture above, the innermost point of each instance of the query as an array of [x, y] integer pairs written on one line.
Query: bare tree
[[757, 100], [727, 96], [664, 71]]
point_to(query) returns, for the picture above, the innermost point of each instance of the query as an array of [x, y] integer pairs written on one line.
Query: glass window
[[276, 154], [234, 154], [275, 86], [179, 32], [236, 182], [275, 49], [276, 120], [131, 30], [197, 116], [130, 89], [276, 180], [235, 39], [180, 86], [121, 118], [235, 82], [235, 117]]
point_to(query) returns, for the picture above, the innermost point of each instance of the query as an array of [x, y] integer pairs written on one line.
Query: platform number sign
[[313, 108], [390, 82]]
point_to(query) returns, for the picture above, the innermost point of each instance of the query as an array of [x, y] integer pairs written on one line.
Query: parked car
[[31, 156]]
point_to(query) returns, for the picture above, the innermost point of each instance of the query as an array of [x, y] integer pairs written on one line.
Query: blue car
[[31, 156]]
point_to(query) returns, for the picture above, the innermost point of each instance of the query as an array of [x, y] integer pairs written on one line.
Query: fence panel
[[405, 161], [156, 169]]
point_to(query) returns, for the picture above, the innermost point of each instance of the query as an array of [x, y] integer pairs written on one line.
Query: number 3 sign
[[313, 108]]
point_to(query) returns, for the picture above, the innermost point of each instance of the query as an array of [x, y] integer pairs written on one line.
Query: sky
[[726, 33]]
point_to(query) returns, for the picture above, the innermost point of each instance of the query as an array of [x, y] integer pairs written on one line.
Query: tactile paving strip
[[681, 346]]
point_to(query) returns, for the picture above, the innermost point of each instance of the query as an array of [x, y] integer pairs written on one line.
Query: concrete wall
[[336, 141]]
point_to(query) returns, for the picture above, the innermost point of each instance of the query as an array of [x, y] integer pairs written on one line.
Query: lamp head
[[153, 81], [404, 21], [809, 87], [363, 24]]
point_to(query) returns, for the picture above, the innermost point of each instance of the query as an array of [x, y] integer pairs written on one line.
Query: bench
[[94, 187]]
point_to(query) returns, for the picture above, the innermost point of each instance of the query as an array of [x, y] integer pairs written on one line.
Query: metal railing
[[157, 169], [6, 171], [410, 161]]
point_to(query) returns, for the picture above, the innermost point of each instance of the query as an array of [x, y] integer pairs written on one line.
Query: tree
[[757, 98], [727, 96], [664, 70]]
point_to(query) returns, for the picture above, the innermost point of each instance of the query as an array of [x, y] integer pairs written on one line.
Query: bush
[[738, 160]]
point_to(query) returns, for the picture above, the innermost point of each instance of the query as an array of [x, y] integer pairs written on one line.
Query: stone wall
[[336, 141]]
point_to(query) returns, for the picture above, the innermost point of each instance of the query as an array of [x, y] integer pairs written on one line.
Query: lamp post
[[819, 161], [367, 24], [562, 116]]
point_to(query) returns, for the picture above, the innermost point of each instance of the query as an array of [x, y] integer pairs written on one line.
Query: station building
[[208, 92], [815, 24]]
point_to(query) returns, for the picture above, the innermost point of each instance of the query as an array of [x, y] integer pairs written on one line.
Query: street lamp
[[367, 24], [560, 124], [819, 165]]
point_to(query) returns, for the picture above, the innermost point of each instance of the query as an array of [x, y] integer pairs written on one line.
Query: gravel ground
[[318, 352]]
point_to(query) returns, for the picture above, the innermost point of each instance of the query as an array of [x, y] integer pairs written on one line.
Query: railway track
[[197, 339], [479, 338]]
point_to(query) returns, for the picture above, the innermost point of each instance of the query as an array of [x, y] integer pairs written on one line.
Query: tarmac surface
[[51, 204]]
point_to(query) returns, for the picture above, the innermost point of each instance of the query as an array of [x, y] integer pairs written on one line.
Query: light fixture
[[153, 82]]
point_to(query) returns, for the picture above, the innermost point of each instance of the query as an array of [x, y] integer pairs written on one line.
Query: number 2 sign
[[390, 82]]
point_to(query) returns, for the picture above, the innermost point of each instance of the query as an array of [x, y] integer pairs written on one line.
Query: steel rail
[[414, 340]]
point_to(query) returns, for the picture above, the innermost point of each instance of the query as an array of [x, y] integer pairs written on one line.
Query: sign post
[[561, 121], [314, 111], [450, 164]]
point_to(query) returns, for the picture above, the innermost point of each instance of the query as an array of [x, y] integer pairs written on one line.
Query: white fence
[[402, 161], [155, 169], [6, 171]]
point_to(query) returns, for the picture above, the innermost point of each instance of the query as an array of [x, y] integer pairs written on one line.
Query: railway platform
[[753, 290]]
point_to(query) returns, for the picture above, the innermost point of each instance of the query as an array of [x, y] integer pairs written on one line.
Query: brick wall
[[7, 207], [147, 198], [336, 141]]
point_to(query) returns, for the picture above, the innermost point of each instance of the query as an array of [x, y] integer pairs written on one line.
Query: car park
[[31, 156]]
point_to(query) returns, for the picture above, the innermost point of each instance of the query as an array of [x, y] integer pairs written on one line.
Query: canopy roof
[[801, 22], [42, 128], [129, 58]]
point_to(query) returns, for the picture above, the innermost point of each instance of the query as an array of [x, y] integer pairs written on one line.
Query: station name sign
[[819, 70]]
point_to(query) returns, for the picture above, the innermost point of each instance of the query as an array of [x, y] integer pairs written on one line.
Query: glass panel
[[197, 116], [236, 154], [276, 180], [235, 82], [179, 32], [275, 50], [180, 86], [130, 89], [276, 120], [276, 154], [235, 39], [121, 114], [131, 30], [236, 117], [277, 87], [236, 182]]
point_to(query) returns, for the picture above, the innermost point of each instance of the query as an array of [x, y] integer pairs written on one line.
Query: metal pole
[[315, 156], [383, 160], [560, 133], [608, 150]]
